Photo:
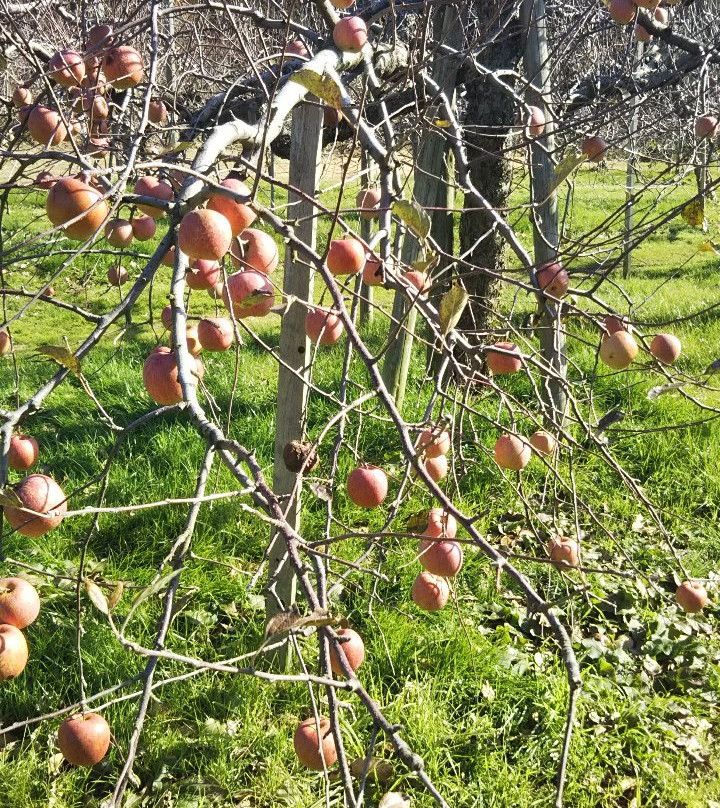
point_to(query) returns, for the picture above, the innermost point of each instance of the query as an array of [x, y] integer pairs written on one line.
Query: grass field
[[478, 688]]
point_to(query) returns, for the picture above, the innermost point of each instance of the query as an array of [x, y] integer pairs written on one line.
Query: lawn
[[478, 689]]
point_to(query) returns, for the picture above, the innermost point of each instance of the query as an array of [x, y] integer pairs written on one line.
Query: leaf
[[183, 145], [320, 84], [565, 168], [377, 768], [451, 307], [9, 499], [115, 595], [656, 392], [442, 123], [708, 246], [97, 597], [321, 491], [394, 799], [154, 588], [713, 367], [253, 299], [426, 264], [282, 621], [694, 213], [413, 215], [62, 356]]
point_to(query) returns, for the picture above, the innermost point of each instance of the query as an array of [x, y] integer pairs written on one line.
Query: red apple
[[665, 348], [23, 454], [368, 202], [503, 357], [323, 326], [367, 486], [434, 442], [13, 652], [444, 558], [251, 292], [203, 274], [594, 148], [160, 376], [512, 452], [117, 275], [430, 592], [437, 467], [563, 549], [353, 648], [84, 739], [346, 256], [239, 215], [215, 333], [308, 740], [553, 279], [706, 126], [691, 596], [255, 249], [440, 524], [372, 273], [350, 34], [43, 495], [19, 602]]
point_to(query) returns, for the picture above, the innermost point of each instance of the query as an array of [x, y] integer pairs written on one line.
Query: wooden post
[[703, 152], [366, 301], [630, 170], [545, 219], [430, 190], [294, 350]]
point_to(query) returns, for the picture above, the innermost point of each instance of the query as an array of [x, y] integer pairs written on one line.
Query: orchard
[[358, 404]]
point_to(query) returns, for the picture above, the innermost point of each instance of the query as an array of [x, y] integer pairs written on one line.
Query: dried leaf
[[115, 595], [451, 307], [97, 597], [282, 621], [55, 763], [9, 499], [320, 84], [694, 213], [442, 123], [321, 491], [413, 215], [377, 768], [62, 356], [713, 367], [708, 246], [565, 168], [183, 145], [394, 799], [656, 392]]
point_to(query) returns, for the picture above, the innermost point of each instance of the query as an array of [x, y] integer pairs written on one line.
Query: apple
[[434, 442], [309, 737], [5, 343], [691, 596], [706, 126], [622, 11], [436, 467], [368, 202], [346, 256], [19, 602], [440, 523], [323, 326], [41, 494], [503, 357], [13, 652], [23, 454], [84, 739], [430, 592], [367, 486], [665, 348], [618, 350], [543, 442], [444, 558], [512, 452], [594, 148], [350, 34], [553, 279], [353, 647], [563, 549]]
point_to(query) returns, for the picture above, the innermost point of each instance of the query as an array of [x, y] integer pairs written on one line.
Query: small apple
[[444, 558], [367, 486], [13, 652], [353, 647], [19, 602], [430, 592], [434, 442], [543, 442], [691, 596], [84, 739], [563, 549], [308, 740], [23, 454]]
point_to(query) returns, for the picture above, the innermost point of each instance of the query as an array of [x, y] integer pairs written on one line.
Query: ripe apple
[[553, 279], [308, 741], [372, 273], [203, 274], [436, 467], [323, 326], [618, 350], [368, 202], [117, 275], [239, 215], [295, 49], [157, 112], [543, 442], [67, 68], [13, 652], [23, 454], [434, 442], [143, 227], [123, 67], [534, 119], [215, 333], [418, 279], [155, 188], [255, 249], [594, 148], [691, 596], [160, 376], [41, 494], [19, 602], [353, 648], [512, 452], [367, 486], [346, 256], [71, 198], [119, 232], [444, 558], [251, 292], [500, 362], [706, 126], [665, 348], [5, 343], [350, 34], [430, 592], [84, 739], [440, 524], [204, 234], [563, 549]]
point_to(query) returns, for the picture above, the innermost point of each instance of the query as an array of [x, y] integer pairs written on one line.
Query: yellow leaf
[[321, 85], [412, 215], [62, 356], [96, 596], [425, 264], [694, 213], [708, 246], [565, 168], [115, 595], [442, 124], [451, 307]]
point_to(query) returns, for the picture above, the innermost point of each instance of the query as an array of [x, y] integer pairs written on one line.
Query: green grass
[[478, 688]]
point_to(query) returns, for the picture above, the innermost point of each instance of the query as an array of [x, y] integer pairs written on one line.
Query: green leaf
[[320, 84], [451, 307], [9, 499], [412, 215], [97, 597], [62, 356], [115, 595], [154, 588], [565, 168]]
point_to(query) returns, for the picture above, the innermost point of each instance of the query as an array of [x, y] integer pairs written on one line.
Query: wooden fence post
[[366, 299], [545, 214], [294, 350], [430, 190]]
